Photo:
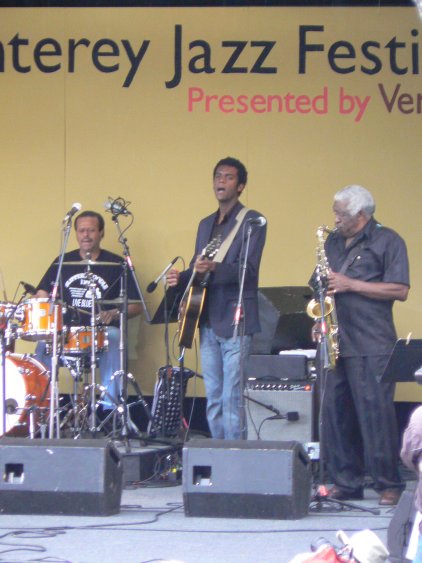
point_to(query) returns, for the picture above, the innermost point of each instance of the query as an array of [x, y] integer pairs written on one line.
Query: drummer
[[74, 291]]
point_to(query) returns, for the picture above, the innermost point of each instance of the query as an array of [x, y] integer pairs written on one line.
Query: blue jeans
[[221, 361], [109, 363]]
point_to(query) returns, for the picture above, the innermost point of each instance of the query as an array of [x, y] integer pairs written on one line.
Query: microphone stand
[[128, 261], [93, 352], [127, 264], [238, 316], [54, 305]]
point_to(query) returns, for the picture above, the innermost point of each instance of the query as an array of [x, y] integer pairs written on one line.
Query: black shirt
[[378, 254], [74, 287]]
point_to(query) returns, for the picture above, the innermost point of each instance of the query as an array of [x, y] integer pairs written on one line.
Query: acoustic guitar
[[192, 302]]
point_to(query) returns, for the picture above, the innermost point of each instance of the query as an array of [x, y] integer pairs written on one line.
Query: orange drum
[[78, 340], [38, 321], [26, 387]]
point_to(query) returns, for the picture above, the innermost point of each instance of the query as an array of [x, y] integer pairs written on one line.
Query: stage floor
[[152, 526]]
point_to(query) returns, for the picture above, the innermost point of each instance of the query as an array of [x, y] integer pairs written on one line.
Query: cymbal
[[88, 263]]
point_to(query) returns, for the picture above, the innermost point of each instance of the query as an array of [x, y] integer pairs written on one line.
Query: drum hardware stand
[[77, 411], [93, 356], [122, 409], [31, 415], [118, 406]]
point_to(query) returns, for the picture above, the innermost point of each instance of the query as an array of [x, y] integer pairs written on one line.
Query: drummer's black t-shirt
[[74, 285]]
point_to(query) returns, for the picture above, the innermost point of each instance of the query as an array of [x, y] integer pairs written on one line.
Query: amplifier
[[281, 411], [286, 367]]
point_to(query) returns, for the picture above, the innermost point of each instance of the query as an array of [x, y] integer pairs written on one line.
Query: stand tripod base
[[321, 501]]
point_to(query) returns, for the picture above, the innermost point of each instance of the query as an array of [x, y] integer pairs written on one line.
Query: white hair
[[357, 199]]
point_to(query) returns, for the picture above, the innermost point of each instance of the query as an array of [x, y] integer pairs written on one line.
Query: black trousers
[[358, 424]]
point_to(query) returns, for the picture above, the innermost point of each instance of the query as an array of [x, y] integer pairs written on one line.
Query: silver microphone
[[259, 221], [117, 206], [74, 209], [154, 284]]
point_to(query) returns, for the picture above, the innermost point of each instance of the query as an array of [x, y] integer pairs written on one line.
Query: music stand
[[405, 359], [168, 309]]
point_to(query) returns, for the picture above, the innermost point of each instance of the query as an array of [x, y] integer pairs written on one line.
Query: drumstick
[[73, 308]]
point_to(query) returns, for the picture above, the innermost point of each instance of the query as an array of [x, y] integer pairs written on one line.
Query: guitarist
[[221, 353]]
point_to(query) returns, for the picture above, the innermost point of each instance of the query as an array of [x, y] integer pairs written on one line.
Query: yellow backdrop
[[141, 103]]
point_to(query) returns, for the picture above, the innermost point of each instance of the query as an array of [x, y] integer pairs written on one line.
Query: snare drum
[[26, 387], [78, 340], [38, 321]]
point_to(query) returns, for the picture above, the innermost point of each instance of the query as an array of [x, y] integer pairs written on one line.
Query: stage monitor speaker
[[295, 402], [284, 322], [246, 479], [400, 528], [77, 477]]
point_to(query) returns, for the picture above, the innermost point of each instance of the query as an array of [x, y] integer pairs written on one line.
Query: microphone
[[28, 288], [259, 221], [117, 206], [154, 284], [74, 209]]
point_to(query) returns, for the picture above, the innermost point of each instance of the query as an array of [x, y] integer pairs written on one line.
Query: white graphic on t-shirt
[[79, 287]]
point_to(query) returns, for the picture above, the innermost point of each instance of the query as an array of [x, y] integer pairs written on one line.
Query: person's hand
[[338, 283], [172, 277], [204, 265], [107, 317]]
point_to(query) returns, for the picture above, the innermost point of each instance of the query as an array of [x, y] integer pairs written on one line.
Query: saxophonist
[[369, 270]]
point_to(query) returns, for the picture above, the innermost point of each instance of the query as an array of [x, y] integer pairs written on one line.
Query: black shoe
[[338, 494]]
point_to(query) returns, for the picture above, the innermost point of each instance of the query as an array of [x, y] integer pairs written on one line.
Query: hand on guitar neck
[[203, 265]]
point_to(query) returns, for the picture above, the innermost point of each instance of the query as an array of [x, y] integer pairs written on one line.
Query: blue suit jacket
[[223, 288]]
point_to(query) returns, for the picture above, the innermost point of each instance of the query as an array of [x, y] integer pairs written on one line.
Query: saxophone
[[323, 308]]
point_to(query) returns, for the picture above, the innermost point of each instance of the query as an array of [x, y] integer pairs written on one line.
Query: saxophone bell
[[314, 309]]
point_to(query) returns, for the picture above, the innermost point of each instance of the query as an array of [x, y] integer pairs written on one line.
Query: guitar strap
[[225, 245]]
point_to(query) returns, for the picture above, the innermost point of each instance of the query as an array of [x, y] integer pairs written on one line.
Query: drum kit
[[25, 410], [29, 396]]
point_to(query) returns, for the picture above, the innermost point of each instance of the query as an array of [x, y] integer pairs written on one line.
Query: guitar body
[[192, 302], [190, 312]]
